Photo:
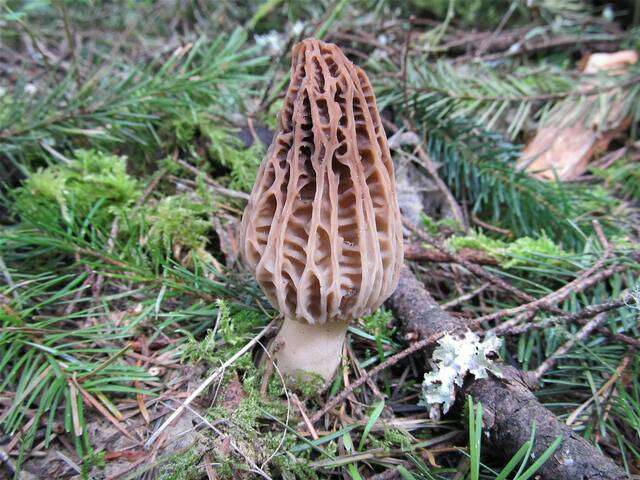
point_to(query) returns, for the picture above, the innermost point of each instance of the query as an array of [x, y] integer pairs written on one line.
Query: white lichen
[[30, 89], [453, 359], [271, 42], [297, 28]]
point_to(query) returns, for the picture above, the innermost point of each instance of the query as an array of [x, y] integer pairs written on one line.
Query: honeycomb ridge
[[322, 231]]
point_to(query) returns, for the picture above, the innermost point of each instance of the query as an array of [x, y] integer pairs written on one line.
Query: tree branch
[[510, 407]]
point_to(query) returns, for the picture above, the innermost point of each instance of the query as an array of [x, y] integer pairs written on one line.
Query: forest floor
[[130, 137]]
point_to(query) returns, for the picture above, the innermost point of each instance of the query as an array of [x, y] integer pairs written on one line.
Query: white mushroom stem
[[302, 348]]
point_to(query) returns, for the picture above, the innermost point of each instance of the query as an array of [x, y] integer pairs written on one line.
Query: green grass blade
[[540, 461], [517, 457], [375, 414]]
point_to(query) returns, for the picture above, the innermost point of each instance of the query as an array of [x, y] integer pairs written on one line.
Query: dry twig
[[582, 334]]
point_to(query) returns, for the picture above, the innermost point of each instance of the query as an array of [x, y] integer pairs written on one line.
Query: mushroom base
[[302, 349]]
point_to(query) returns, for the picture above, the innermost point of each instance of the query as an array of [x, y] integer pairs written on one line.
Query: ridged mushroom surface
[[322, 229]]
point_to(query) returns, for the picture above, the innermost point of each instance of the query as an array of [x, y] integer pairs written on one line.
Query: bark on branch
[[418, 254], [508, 404]]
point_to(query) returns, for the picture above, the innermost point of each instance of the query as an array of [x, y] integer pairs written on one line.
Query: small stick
[[34, 383], [71, 306], [14, 441], [269, 367], [581, 282], [345, 375], [155, 361], [467, 296], [73, 384], [268, 371], [484, 45], [4, 459], [206, 383], [405, 55], [566, 347], [140, 398], [286, 392], [372, 385], [580, 317], [256, 139], [68, 461], [609, 395], [493, 228], [427, 162]]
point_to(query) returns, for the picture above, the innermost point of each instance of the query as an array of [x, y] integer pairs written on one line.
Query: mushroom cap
[[322, 231]]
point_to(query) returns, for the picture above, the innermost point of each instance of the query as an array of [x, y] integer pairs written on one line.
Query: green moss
[[523, 251], [226, 465], [178, 220], [390, 438], [169, 164], [437, 227], [93, 459], [87, 194], [477, 241], [183, 466], [235, 326], [396, 438], [380, 321], [306, 384], [93, 184], [291, 468], [185, 128], [204, 350], [254, 432], [380, 325]]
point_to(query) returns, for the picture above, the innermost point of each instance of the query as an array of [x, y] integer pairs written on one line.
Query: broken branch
[[510, 407]]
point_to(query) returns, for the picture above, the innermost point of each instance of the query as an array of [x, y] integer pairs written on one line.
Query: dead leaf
[[564, 151], [233, 395], [612, 62]]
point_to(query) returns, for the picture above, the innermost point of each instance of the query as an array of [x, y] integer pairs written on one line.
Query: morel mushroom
[[322, 230]]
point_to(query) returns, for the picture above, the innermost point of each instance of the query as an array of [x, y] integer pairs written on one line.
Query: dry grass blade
[[74, 385]]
